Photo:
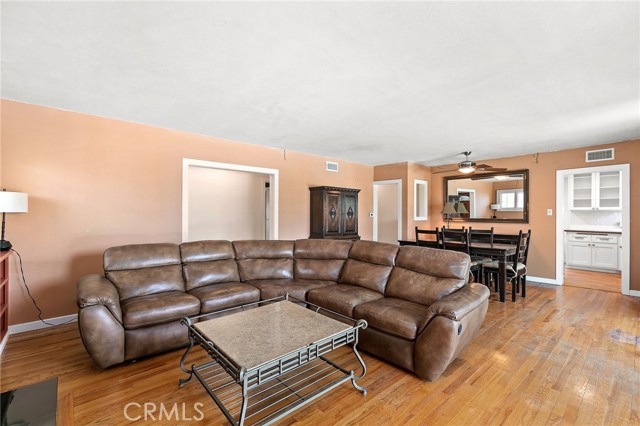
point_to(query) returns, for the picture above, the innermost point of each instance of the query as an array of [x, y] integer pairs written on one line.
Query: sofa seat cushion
[[342, 298], [296, 288], [158, 308], [398, 317], [215, 297]]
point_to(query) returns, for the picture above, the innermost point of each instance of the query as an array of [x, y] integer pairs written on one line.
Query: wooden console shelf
[[4, 293]]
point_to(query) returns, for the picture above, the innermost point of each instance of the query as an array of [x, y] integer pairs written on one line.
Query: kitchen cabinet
[[595, 191], [598, 251]]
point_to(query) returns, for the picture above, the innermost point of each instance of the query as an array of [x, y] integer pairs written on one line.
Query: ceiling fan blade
[[443, 171], [488, 168]]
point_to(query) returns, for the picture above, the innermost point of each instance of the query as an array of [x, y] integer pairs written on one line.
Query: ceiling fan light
[[466, 169]]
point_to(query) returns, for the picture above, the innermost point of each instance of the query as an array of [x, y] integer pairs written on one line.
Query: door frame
[[397, 182], [625, 204], [273, 190]]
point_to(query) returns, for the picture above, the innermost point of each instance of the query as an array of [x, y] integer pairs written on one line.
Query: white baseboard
[[543, 280], [634, 293], [36, 325], [4, 342]]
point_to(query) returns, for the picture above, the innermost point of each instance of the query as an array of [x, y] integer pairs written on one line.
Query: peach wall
[[542, 184], [95, 182]]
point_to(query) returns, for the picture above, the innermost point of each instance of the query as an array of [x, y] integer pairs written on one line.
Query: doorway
[[387, 211], [223, 201], [606, 231], [467, 197]]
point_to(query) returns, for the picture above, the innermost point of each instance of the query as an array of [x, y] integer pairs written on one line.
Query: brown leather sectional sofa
[[418, 303]]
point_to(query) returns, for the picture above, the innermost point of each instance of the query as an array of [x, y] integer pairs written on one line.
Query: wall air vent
[[599, 155], [332, 166]]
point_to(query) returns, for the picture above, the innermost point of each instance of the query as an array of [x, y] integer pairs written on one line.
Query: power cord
[[24, 282]]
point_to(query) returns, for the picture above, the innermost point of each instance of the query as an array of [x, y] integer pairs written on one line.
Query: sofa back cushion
[[369, 265], [208, 262], [264, 259], [424, 275], [320, 259], [141, 269]]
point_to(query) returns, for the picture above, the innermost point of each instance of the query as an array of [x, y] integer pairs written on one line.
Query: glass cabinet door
[[581, 191], [609, 188]]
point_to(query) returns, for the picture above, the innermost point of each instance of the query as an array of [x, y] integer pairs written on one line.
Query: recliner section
[[420, 309]]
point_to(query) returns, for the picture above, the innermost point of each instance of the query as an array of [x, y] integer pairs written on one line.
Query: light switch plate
[[549, 212]]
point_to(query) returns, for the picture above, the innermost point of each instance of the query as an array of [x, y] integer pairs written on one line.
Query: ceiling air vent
[[599, 155], [332, 166]]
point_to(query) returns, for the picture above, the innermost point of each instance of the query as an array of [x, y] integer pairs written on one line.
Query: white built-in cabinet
[[593, 251], [595, 191]]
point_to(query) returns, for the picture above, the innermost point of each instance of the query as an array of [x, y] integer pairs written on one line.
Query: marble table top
[[257, 336]]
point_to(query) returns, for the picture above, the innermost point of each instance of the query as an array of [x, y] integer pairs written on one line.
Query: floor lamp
[[11, 202]]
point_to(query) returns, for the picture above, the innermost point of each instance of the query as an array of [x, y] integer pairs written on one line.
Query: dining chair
[[516, 271], [432, 240], [481, 235], [458, 240]]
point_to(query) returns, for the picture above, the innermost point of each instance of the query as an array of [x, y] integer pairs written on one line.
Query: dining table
[[499, 251]]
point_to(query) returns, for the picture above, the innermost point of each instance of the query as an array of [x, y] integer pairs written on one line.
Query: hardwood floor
[[593, 280], [564, 355]]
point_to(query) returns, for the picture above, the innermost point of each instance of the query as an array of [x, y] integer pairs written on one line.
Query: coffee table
[[269, 359]]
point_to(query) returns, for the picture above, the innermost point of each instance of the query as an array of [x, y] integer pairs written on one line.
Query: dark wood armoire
[[334, 213]]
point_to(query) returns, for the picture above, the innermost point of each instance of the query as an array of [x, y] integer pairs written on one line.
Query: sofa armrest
[[100, 320], [96, 290], [459, 304], [450, 324]]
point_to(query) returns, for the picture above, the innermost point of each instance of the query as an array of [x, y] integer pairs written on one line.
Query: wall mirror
[[420, 200], [489, 197]]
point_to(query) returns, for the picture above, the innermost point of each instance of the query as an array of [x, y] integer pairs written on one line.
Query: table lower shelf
[[272, 400]]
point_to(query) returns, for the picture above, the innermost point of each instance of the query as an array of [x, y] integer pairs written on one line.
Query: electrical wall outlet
[[549, 212]]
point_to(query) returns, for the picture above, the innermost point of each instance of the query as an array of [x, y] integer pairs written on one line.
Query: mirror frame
[[525, 188]]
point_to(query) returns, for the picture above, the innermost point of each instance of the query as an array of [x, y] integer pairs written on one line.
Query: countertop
[[595, 230]]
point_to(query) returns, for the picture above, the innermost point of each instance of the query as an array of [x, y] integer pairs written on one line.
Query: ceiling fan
[[468, 166]]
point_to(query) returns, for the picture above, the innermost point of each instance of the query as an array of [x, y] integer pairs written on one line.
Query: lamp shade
[[461, 208], [13, 202], [449, 208], [495, 206]]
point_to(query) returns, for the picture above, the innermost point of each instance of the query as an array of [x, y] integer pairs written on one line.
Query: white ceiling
[[370, 82]]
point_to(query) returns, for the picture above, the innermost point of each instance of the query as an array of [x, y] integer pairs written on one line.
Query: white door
[[387, 211]]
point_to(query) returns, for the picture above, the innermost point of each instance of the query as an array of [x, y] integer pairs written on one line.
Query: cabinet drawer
[[605, 239], [583, 238]]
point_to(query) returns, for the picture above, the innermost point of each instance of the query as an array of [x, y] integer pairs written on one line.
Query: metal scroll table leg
[[362, 389], [245, 396], [181, 382]]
